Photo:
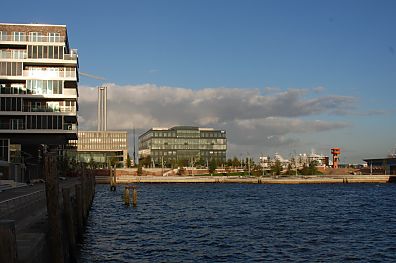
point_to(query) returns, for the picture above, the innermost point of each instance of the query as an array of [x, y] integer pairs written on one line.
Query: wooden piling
[[126, 196], [134, 197], [8, 247], [71, 233], [53, 210]]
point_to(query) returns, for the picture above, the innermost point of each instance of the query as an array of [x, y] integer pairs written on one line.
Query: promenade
[[27, 207], [314, 179]]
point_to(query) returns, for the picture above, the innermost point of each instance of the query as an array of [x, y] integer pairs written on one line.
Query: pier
[[43, 222]]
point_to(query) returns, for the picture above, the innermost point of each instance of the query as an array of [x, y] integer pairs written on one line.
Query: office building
[[190, 144], [38, 93], [100, 148]]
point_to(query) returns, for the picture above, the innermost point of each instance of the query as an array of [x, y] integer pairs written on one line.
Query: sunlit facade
[[183, 143], [101, 148], [38, 89]]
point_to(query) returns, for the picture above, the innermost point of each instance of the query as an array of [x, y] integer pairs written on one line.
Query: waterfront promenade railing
[[13, 205]]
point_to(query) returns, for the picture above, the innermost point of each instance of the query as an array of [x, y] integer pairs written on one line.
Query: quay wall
[[53, 234], [320, 179]]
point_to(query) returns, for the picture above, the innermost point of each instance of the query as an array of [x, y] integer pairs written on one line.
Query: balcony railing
[[70, 126], [69, 109], [7, 125], [50, 73], [21, 54], [28, 38]]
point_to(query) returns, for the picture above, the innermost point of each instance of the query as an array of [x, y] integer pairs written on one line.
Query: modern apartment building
[[191, 144], [38, 90], [100, 148]]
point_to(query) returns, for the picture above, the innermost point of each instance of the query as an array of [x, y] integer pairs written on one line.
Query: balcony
[[11, 125], [23, 55], [62, 109], [70, 74], [39, 39], [70, 126]]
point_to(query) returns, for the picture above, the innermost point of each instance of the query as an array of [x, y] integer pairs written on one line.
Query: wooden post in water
[[8, 247], [71, 233], [54, 218], [126, 196], [134, 196]]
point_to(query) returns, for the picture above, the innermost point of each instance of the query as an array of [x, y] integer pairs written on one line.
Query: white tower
[[102, 108]]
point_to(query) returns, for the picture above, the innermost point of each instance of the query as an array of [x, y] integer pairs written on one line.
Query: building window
[[53, 37], [3, 36], [35, 37], [18, 36], [4, 149]]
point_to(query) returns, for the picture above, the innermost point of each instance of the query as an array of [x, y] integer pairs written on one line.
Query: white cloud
[[251, 118]]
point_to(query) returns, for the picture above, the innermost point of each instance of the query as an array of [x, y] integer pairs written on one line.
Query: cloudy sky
[[278, 76]]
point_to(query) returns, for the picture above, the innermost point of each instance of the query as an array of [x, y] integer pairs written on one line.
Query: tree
[[212, 166], [276, 168], [128, 161]]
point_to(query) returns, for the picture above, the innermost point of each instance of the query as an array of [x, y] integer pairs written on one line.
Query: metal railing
[[30, 38], [12, 205], [50, 73], [49, 109]]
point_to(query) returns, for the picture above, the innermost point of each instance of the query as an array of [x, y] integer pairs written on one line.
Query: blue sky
[[340, 50]]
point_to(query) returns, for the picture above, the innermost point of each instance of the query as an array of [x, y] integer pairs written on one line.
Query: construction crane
[[91, 76]]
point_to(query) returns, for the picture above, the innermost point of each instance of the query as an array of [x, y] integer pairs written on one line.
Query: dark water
[[244, 223]]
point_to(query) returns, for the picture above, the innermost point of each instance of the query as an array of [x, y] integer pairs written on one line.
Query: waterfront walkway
[[28, 208], [314, 179]]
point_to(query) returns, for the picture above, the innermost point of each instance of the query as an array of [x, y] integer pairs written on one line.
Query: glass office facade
[[183, 143], [101, 147]]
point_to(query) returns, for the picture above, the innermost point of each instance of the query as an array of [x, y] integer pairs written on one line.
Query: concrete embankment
[[46, 224], [320, 179]]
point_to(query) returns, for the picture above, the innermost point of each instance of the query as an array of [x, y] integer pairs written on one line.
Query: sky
[[278, 76]]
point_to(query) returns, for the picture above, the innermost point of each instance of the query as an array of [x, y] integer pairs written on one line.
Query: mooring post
[[134, 197], [54, 218], [8, 247], [71, 234], [126, 196]]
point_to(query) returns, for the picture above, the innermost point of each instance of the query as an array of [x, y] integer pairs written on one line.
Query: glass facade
[[183, 143], [101, 147]]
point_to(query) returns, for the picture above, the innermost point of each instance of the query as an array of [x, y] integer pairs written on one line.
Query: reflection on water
[[243, 223]]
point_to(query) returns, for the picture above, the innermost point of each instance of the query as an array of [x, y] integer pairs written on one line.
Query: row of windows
[[185, 134], [12, 54], [187, 141], [10, 104], [189, 147], [32, 36], [11, 68], [44, 122], [44, 87], [53, 52]]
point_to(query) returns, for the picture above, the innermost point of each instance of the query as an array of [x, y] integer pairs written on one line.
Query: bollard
[[134, 197], [71, 234], [126, 196], [8, 247]]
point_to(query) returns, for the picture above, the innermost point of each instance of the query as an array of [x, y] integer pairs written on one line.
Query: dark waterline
[[243, 223]]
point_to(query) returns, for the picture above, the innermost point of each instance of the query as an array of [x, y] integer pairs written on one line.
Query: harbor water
[[243, 223]]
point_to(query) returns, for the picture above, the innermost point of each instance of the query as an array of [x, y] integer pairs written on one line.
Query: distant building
[[191, 144], [38, 96], [385, 165], [100, 148]]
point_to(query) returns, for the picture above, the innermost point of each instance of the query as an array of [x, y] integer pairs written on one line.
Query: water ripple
[[243, 223]]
